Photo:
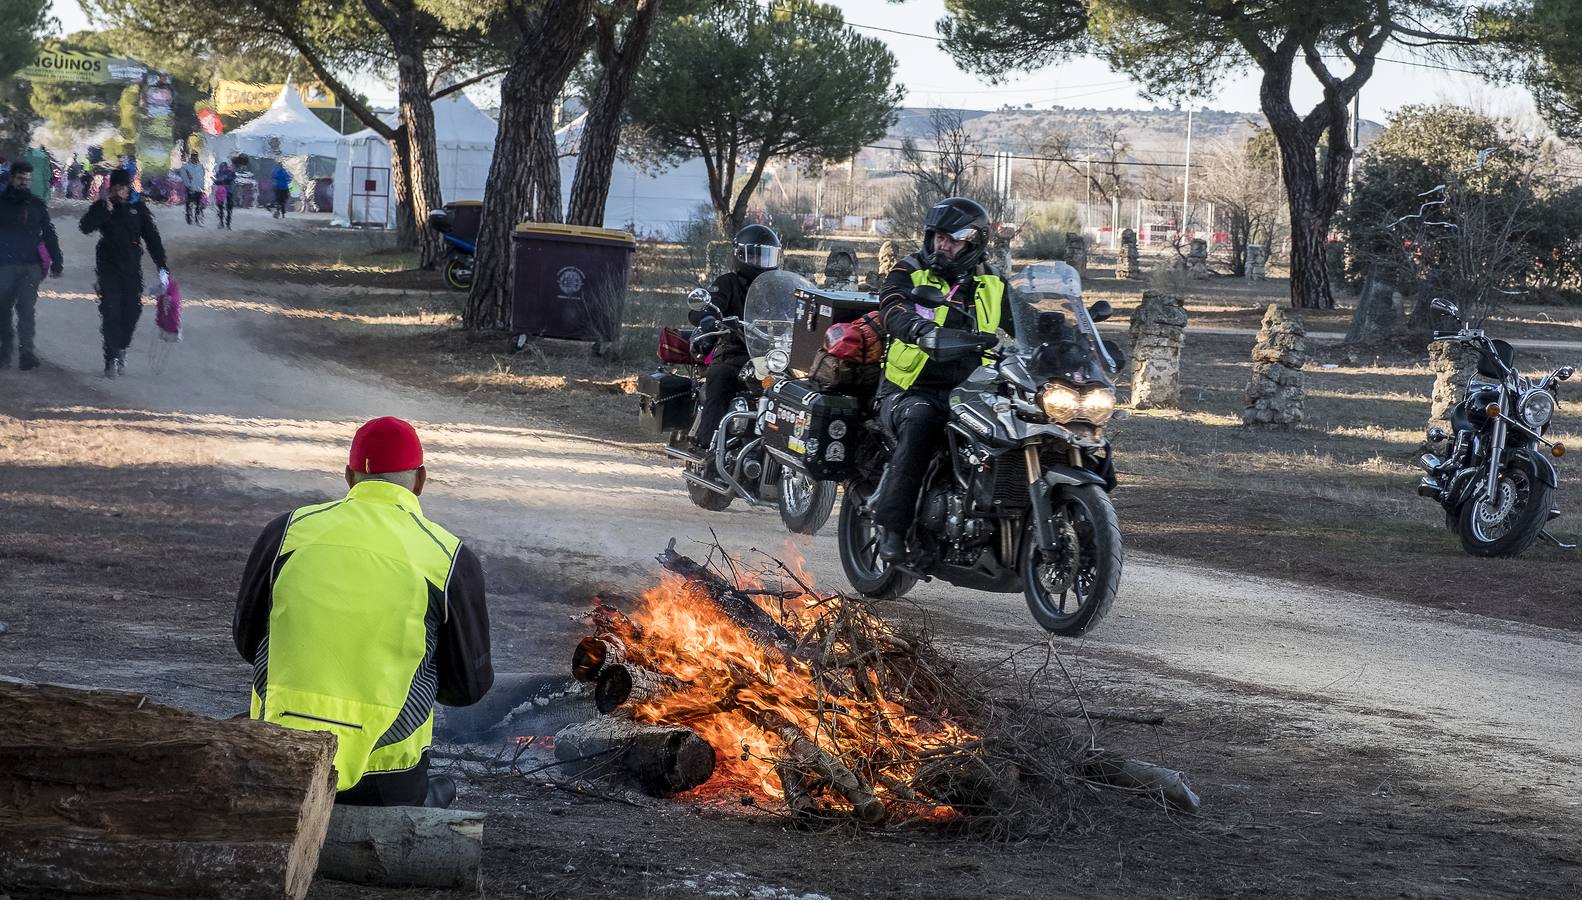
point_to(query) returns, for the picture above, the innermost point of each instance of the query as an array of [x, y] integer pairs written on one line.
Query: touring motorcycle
[[735, 466], [1496, 481], [1017, 499]]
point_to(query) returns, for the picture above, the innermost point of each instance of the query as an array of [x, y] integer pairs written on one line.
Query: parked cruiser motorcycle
[[736, 465], [1495, 484], [459, 255], [1017, 498]]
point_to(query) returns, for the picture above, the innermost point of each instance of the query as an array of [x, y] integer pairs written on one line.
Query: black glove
[[955, 343], [709, 323]]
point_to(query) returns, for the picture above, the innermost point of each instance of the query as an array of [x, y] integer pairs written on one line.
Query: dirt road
[[1481, 707]]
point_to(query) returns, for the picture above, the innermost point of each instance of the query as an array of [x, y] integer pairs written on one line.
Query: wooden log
[[806, 755], [735, 604], [798, 789], [404, 846], [662, 761], [1166, 785], [108, 793], [519, 705], [624, 683], [594, 653]]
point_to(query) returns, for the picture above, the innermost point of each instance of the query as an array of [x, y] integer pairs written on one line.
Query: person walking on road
[[125, 226], [191, 176], [358, 615], [224, 193], [25, 231], [282, 182]]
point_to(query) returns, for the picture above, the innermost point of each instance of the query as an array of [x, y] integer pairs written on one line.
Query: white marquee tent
[[649, 204], [288, 128], [362, 163]]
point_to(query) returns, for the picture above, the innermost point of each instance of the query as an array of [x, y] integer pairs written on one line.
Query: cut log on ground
[[105, 789], [520, 705], [803, 754], [593, 654], [662, 761], [623, 683], [404, 846], [1159, 782], [733, 603]]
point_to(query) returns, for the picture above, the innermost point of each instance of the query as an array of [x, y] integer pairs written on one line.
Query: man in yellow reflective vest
[[916, 387], [358, 615]]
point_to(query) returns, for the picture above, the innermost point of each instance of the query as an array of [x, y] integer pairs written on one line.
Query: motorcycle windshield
[[770, 309], [1054, 327]]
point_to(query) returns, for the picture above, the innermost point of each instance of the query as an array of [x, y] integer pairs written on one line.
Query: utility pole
[[1186, 191]]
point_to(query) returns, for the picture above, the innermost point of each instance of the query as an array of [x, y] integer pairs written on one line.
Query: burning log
[[808, 756], [594, 653], [798, 789], [404, 846], [521, 704], [1167, 785], [662, 761], [623, 683], [108, 793], [735, 604]]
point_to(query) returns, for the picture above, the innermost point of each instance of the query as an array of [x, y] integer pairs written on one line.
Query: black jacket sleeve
[[251, 621], [51, 242], [897, 313], [461, 658], [150, 234], [94, 218]]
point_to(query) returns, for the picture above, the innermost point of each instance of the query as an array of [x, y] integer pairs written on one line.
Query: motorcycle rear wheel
[[858, 537], [458, 274], [1086, 565], [1514, 532], [805, 504]]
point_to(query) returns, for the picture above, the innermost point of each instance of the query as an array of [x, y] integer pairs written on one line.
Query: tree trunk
[[401, 190], [109, 793], [546, 167], [551, 40], [417, 120], [404, 846], [601, 130]]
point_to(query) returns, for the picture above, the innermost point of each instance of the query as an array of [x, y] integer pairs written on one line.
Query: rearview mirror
[[1100, 311], [1116, 354], [1440, 304]]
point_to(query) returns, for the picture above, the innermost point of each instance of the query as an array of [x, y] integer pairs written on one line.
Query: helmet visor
[[762, 256], [964, 234]]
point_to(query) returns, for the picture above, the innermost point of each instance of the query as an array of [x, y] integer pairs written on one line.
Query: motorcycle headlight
[[1098, 405], [1061, 404], [1537, 408], [778, 361]]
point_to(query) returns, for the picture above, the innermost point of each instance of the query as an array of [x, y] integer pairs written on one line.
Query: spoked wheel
[[458, 274], [859, 550], [703, 498], [1508, 524], [805, 504], [1072, 587]]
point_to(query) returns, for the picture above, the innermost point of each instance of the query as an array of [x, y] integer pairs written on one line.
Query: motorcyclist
[[757, 250], [914, 394]]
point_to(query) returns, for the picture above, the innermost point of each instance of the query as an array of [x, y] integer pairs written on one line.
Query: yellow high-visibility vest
[[904, 362]]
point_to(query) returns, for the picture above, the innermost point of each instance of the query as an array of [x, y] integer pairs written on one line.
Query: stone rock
[[1275, 395], [887, 258], [1158, 330], [1126, 262], [1077, 252], [1452, 364], [1196, 262], [840, 269], [1257, 262]]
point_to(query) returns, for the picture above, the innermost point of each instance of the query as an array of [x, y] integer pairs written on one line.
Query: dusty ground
[[1345, 745]]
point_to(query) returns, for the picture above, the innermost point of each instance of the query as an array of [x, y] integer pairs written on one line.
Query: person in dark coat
[[125, 226], [24, 227], [757, 250]]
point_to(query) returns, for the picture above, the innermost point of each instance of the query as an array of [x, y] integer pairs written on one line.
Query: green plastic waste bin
[[569, 281]]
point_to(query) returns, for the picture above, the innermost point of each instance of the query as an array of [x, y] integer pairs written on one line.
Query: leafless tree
[[1242, 180]]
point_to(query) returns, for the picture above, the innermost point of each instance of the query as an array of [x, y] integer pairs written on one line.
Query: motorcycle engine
[[944, 512]]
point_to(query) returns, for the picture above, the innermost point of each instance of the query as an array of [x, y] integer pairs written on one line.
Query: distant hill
[[1155, 135]]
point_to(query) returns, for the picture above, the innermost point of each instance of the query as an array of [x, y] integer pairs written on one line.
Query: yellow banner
[[56, 64], [232, 97]]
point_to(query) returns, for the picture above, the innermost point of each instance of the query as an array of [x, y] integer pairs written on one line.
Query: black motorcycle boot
[[892, 545], [28, 361]]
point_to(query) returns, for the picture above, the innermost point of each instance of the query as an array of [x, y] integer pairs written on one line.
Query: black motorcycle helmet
[[963, 220], [757, 249]]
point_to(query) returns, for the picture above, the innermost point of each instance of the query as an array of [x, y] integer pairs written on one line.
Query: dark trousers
[[120, 306], [222, 211], [720, 384], [282, 197], [194, 204], [18, 291], [917, 419], [409, 788]]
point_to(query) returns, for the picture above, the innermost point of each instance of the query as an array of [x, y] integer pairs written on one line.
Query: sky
[[931, 78]]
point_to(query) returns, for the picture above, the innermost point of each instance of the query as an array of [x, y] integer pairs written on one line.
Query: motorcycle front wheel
[[1509, 525], [805, 504], [858, 537], [458, 274], [1071, 588]]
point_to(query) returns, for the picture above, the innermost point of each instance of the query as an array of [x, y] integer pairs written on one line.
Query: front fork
[[1491, 488], [1038, 494]]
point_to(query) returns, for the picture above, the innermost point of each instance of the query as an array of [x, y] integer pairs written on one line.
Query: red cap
[[386, 444]]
